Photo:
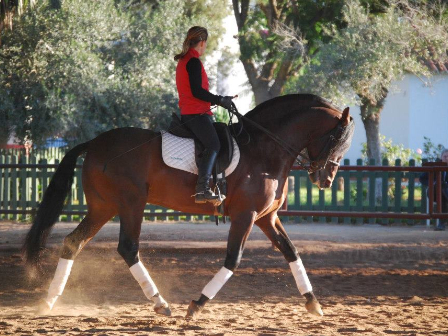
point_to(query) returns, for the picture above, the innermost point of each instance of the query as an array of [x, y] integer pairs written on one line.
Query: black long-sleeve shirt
[[194, 68]]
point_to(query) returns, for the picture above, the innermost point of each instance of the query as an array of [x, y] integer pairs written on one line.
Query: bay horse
[[280, 130]]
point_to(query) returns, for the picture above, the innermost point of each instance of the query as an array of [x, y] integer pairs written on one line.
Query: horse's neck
[[292, 129], [277, 156], [295, 129]]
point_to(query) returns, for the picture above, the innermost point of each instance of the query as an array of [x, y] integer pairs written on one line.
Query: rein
[[301, 159], [314, 165]]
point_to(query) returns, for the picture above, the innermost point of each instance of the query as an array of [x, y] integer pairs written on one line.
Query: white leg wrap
[[213, 287], [159, 301], [299, 273], [144, 280], [59, 280]]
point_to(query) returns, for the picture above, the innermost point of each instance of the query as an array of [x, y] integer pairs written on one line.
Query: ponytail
[[195, 35]]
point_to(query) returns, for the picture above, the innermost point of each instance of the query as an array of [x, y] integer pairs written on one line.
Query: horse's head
[[326, 152]]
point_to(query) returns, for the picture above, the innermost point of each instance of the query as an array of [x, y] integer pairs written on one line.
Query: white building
[[411, 112]]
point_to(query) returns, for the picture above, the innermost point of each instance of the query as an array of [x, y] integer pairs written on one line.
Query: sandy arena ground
[[370, 280]]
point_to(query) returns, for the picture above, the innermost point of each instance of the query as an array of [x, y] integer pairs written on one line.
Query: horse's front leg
[[275, 231], [238, 234]]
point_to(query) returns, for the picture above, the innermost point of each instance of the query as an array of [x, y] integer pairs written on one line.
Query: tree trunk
[[370, 115], [372, 125], [267, 79]]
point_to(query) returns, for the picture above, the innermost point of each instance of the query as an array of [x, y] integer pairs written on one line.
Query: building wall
[[412, 110], [429, 112]]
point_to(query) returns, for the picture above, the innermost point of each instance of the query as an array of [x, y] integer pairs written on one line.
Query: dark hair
[[195, 35]]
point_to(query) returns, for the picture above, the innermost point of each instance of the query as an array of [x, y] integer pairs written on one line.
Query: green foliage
[[392, 152], [273, 35], [431, 152], [362, 59], [91, 66], [222, 115]]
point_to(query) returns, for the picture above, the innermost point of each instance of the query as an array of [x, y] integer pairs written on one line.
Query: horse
[[281, 130]]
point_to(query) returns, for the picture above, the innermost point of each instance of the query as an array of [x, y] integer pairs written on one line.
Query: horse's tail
[[51, 206]]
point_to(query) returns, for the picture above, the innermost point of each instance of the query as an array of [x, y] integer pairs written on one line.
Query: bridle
[[302, 159]]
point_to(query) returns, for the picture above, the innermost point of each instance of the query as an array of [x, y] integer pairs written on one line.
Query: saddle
[[225, 154], [224, 159]]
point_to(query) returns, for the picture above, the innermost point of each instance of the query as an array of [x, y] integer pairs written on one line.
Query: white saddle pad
[[179, 153]]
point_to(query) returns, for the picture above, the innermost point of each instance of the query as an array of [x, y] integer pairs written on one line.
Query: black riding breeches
[[202, 127]]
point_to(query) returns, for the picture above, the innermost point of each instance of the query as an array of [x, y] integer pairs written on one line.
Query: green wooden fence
[[24, 179], [360, 191]]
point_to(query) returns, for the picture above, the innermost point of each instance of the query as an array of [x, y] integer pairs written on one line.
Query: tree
[[89, 66], [267, 65], [361, 60], [8, 8]]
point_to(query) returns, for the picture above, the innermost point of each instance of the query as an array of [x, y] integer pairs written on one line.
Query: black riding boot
[[203, 192]]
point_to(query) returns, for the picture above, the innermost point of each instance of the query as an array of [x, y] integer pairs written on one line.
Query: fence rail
[[398, 200], [359, 193]]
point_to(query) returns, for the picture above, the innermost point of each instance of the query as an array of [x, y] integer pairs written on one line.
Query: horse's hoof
[[193, 310], [43, 308], [163, 310], [313, 307]]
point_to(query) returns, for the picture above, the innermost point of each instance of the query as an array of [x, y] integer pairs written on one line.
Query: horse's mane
[[308, 99]]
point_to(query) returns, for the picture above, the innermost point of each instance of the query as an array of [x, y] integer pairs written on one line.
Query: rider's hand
[[226, 102]]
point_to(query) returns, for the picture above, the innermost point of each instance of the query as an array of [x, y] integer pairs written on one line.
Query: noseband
[[336, 139]]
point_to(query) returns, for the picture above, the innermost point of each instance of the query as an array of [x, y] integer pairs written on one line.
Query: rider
[[194, 102]]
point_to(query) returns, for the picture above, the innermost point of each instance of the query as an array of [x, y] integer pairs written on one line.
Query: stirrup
[[201, 198]]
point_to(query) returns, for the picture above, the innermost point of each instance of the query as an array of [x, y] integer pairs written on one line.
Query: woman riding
[[195, 106]]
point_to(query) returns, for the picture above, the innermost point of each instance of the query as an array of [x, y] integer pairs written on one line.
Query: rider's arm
[[194, 69]]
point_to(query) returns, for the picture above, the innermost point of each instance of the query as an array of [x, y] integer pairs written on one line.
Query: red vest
[[187, 103]]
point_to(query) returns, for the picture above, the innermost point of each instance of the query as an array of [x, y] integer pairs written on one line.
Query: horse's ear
[[345, 117]]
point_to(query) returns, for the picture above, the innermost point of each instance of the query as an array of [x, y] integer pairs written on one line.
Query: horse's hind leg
[[128, 246], [73, 244], [274, 230]]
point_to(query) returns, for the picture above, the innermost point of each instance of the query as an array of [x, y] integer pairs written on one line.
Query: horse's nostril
[[328, 183]]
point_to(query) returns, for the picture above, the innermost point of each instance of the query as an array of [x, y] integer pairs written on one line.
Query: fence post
[[309, 198], [372, 190], [346, 206], [23, 187], [411, 192], [384, 195], [14, 187], [44, 174], [296, 174], [334, 197], [34, 183], [398, 193], [359, 191], [322, 204]]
